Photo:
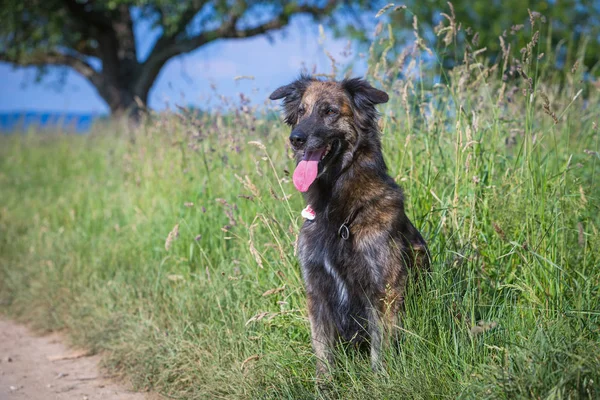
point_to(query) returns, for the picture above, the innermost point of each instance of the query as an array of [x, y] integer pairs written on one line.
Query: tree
[[82, 34]]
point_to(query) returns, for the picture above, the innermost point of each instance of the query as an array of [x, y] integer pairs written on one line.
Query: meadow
[[170, 247]]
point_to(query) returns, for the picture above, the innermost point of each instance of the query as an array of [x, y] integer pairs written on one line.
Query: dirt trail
[[40, 368]]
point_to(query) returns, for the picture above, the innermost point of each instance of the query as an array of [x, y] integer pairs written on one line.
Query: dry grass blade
[[69, 356], [273, 291], [482, 327], [257, 317], [247, 360], [175, 278]]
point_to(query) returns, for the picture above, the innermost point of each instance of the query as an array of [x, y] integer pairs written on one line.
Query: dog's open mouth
[[308, 169]]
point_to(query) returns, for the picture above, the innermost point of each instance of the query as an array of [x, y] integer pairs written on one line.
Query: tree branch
[[84, 48], [58, 59], [186, 17], [168, 47], [229, 31]]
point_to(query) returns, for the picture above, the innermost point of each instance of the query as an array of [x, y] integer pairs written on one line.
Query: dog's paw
[[324, 383], [379, 367]]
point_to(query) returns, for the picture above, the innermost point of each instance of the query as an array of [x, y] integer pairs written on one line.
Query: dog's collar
[[343, 231]]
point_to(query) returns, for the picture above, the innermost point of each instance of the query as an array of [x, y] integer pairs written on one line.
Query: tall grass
[[171, 247]]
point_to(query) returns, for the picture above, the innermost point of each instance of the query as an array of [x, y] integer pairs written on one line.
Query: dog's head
[[328, 119]]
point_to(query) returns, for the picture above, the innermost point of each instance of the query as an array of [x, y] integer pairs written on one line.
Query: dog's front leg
[[323, 336], [376, 336]]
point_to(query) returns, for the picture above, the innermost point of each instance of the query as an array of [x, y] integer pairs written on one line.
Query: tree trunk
[[127, 106], [116, 82], [119, 95]]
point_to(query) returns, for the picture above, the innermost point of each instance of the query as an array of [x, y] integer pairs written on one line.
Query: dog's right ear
[[282, 92], [294, 88], [292, 97]]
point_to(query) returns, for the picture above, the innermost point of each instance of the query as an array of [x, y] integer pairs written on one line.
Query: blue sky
[[187, 80]]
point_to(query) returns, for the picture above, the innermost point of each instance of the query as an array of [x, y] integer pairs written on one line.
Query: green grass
[[507, 200]]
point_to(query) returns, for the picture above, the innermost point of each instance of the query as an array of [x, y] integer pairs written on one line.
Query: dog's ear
[[294, 88], [364, 98], [282, 92], [292, 96], [362, 92]]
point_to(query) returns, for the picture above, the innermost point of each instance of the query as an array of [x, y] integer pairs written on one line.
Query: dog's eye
[[330, 111], [301, 111]]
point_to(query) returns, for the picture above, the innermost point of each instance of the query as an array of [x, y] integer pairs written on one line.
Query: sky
[[188, 79]]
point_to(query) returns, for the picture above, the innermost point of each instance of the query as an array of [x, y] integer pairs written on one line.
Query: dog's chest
[[334, 277], [329, 262]]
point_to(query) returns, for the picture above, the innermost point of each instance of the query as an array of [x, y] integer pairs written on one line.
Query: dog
[[357, 244]]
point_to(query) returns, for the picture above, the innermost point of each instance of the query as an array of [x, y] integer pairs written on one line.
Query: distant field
[[23, 121], [171, 247]]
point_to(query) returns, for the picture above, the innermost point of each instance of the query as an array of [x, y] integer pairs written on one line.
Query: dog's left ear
[[361, 91]]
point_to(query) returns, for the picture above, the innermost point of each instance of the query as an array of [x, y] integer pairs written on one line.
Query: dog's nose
[[297, 138]]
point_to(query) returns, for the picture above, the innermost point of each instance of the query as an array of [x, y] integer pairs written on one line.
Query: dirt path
[[34, 367]]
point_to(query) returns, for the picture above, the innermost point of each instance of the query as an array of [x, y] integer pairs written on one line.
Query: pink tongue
[[306, 172]]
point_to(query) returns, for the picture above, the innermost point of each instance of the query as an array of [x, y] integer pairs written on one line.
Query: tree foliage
[[564, 25]]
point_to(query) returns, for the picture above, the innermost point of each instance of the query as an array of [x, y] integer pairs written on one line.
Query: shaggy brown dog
[[357, 243]]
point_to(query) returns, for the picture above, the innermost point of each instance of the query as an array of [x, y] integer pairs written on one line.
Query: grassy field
[[171, 247]]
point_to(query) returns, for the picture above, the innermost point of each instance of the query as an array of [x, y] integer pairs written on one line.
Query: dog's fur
[[355, 283]]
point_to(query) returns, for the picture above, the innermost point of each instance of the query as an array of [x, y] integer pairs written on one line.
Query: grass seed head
[[581, 235], [384, 9], [575, 66], [174, 234]]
